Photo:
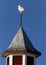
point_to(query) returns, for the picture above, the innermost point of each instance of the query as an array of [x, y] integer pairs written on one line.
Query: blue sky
[[34, 23]]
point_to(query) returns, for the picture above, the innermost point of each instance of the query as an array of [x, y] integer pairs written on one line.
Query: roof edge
[[7, 52]]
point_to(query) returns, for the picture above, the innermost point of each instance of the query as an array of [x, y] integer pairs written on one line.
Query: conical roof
[[21, 42]]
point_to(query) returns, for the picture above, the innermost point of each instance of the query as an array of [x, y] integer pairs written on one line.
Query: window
[[30, 60], [8, 61], [17, 60]]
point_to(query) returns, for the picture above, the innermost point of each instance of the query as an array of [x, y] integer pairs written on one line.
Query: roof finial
[[21, 10]]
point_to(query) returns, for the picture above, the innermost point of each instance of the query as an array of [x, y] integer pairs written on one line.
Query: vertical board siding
[[17, 60]]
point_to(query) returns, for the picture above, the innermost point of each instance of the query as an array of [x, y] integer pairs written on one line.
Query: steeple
[[21, 50], [21, 42]]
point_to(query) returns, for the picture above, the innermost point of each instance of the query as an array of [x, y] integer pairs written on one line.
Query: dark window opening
[[8, 61], [30, 60]]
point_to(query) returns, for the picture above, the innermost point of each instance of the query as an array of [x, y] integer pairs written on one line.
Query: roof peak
[[22, 43]]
